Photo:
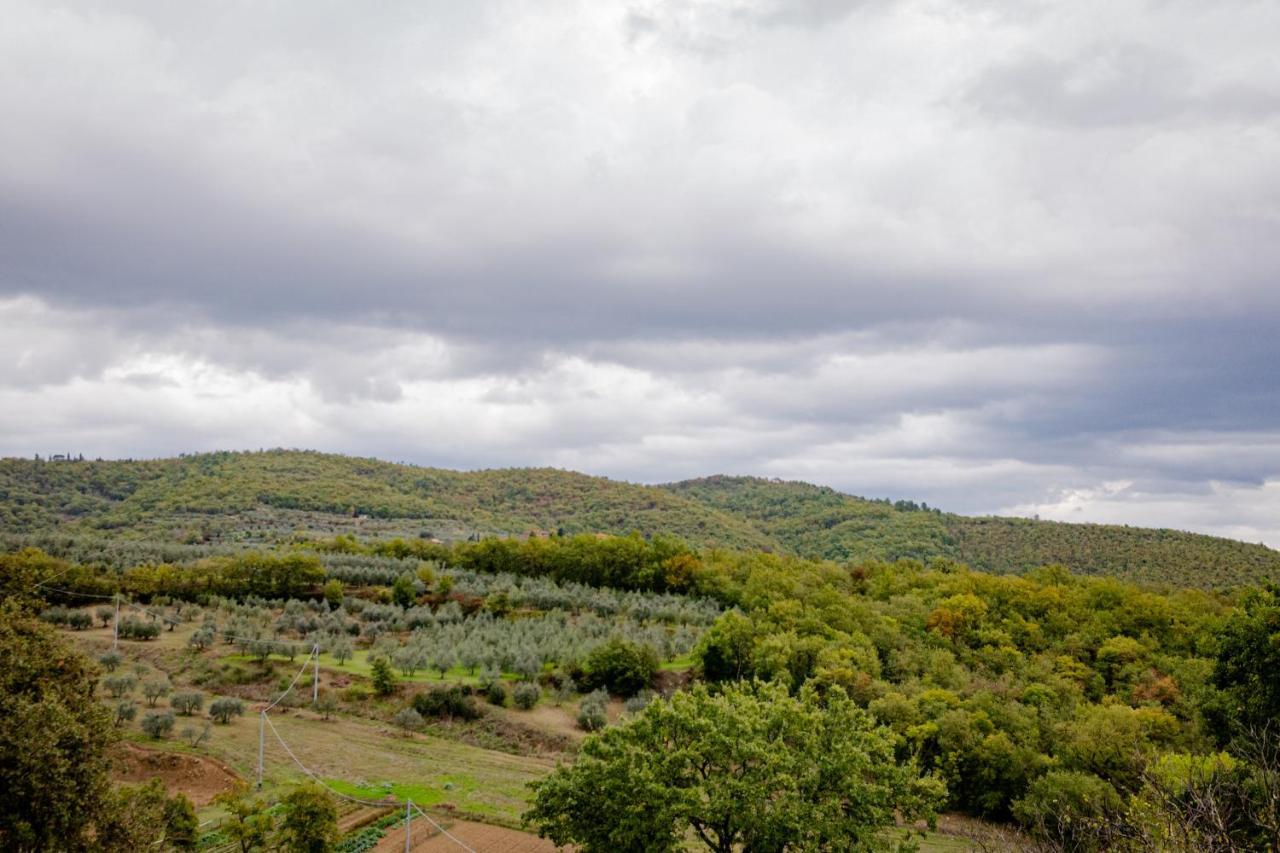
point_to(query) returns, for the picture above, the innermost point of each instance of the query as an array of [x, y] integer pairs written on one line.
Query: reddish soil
[[197, 776], [478, 836]]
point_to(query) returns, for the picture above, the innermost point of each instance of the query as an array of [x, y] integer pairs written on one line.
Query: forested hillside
[[220, 495], [816, 521], [235, 499]]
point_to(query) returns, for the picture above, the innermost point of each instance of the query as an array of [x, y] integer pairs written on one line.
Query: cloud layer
[[1000, 257]]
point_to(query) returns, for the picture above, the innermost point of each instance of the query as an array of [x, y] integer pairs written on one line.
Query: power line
[[265, 718], [375, 803]]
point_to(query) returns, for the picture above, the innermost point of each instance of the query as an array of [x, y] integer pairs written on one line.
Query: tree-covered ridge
[[230, 500], [816, 521], [203, 490]]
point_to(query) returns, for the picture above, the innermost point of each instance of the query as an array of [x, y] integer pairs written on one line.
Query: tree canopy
[[749, 768]]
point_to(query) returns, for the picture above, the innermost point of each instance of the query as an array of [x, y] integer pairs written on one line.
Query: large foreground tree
[[748, 769]]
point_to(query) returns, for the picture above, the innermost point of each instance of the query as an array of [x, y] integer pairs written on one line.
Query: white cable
[[443, 831], [305, 664], [375, 803]]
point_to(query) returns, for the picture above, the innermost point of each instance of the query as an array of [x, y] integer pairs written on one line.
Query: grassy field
[[367, 760]]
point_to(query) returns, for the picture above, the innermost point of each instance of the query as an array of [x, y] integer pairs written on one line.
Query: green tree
[[750, 768], [248, 825], [620, 667], [1070, 810], [309, 820], [1249, 659], [333, 592], [384, 680], [225, 708], [402, 592], [146, 817], [53, 740]]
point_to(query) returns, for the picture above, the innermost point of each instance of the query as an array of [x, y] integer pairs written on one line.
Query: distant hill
[[220, 496], [821, 522], [265, 497]]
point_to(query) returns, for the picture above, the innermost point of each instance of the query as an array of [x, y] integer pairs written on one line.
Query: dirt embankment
[[197, 776]]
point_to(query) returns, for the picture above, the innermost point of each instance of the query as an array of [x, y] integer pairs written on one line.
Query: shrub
[[620, 667], [449, 701], [132, 628], [195, 736], [526, 695], [1068, 809], [326, 705], [591, 716], [333, 592], [638, 702], [225, 708], [202, 638], [384, 680], [79, 620], [496, 693], [356, 693], [105, 615], [408, 719], [187, 704], [57, 614], [125, 711], [111, 660], [119, 685], [158, 724], [153, 690]]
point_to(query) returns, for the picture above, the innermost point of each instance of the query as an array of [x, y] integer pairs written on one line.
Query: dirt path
[[478, 836]]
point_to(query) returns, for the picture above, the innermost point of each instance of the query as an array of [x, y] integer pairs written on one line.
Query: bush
[[119, 685], [1068, 809], [384, 680], [158, 724], [408, 719], [620, 667], [638, 702], [125, 711], [111, 660], [187, 704], [132, 628], [326, 705], [449, 701], [591, 717], [526, 695], [496, 693], [105, 615], [224, 709], [79, 620], [153, 690], [356, 693], [57, 614]]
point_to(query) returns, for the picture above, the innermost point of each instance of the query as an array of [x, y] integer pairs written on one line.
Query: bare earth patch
[[197, 776]]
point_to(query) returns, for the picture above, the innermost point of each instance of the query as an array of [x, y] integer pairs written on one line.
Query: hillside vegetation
[[236, 499], [816, 521]]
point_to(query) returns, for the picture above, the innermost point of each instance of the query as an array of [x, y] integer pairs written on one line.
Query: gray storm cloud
[[1001, 257]]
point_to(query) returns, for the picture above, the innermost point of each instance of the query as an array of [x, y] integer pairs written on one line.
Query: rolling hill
[[820, 522], [269, 496]]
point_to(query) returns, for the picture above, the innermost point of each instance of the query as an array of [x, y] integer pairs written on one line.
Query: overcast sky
[[1014, 257]]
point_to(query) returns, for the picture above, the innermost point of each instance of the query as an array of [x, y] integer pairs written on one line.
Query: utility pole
[[408, 822], [315, 678], [115, 627], [262, 741]]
